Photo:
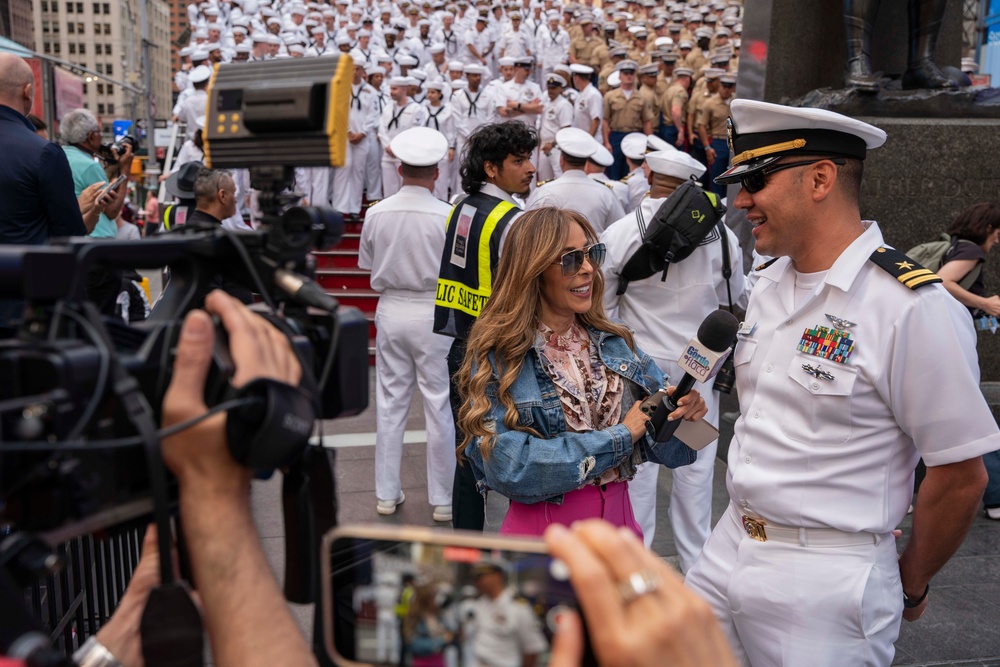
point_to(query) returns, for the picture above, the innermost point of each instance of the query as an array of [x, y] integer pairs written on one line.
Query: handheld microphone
[[701, 360]]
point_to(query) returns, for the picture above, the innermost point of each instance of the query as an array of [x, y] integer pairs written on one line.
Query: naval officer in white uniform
[[665, 315], [853, 362], [401, 242], [575, 190]]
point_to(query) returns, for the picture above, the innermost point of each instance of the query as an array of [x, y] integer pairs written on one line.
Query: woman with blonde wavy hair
[[551, 387]]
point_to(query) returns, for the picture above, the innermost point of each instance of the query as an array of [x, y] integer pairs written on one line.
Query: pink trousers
[[610, 502]]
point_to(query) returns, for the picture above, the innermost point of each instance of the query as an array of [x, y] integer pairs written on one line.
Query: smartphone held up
[[427, 598]]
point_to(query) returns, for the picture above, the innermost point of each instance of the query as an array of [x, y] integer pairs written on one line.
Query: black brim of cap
[[734, 174]]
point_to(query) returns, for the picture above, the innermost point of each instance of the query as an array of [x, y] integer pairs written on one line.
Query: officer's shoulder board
[[766, 264], [903, 269], [541, 183], [609, 186], [626, 177], [373, 202]]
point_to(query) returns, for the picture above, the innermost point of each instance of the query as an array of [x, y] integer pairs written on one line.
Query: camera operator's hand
[[199, 455], [120, 634], [670, 625], [245, 612]]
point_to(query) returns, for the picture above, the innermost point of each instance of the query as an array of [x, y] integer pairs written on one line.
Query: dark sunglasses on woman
[[572, 261]]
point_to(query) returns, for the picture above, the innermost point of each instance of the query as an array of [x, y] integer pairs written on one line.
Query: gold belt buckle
[[755, 528]]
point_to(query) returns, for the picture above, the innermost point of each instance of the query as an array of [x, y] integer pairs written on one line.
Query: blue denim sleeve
[[673, 453], [530, 469]]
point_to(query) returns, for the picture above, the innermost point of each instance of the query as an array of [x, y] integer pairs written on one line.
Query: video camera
[[81, 394]]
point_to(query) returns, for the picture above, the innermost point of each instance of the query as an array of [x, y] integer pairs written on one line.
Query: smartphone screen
[[445, 601]]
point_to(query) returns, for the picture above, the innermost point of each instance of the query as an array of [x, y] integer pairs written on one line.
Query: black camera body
[[56, 386]]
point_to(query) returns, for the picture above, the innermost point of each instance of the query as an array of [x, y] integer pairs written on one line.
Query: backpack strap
[[903, 269]]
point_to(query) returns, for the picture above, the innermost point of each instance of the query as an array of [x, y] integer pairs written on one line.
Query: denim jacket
[[530, 469]]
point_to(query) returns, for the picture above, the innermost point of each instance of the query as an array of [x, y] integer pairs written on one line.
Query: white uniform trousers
[[785, 604], [444, 179], [408, 356], [690, 507], [391, 180], [349, 180], [548, 165], [373, 170], [317, 185], [387, 638]]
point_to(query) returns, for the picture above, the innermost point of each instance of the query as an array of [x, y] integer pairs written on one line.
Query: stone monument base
[[979, 102], [927, 172]]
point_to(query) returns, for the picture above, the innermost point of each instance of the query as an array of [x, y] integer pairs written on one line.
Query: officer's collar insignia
[[840, 323]]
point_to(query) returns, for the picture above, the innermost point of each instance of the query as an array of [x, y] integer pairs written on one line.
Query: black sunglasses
[[757, 181], [572, 261]]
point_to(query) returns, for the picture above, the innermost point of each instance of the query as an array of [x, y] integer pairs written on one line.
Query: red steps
[[338, 274]]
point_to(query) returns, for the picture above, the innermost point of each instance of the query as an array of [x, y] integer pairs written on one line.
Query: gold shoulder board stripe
[[903, 269], [766, 264]]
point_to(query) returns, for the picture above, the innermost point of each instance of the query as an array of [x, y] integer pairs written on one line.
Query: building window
[[100, 68], [56, 48], [100, 108], [97, 48], [72, 48], [70, 27], [111, 107], [45, 5], [107, 28], [55, 26], [79, 28], [107, 69], [46, 47], [83, 49], [45, 26], [111, 89], [55, 5], [69, 7], [107, 8], [84, 89], [79, 8], [97, 8], [100, 89], [107, 49]]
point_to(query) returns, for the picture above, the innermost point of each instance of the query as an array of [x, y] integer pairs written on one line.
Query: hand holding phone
[[103, 198], [644, 610]]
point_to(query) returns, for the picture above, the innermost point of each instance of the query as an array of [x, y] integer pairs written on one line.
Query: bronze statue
[[925, 18]]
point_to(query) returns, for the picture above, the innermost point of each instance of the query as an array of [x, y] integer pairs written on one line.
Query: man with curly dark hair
[[496, 164]]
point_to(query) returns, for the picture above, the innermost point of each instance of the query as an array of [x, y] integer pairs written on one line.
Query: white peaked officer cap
[[199, 74], [761, 133], [575, 142], [674, 163], [654, 143], [603, 156], [634, 146], [614, 79], [420, 146], [582, 70]]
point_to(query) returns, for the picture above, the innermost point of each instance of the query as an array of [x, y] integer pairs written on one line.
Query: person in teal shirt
[[81, 135]]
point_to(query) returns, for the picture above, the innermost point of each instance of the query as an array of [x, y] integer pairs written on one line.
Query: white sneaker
[[443, 512], [389, 506], [993, 513]]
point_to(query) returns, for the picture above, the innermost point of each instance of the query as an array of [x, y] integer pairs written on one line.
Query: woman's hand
[[635, 420], [690, 407]]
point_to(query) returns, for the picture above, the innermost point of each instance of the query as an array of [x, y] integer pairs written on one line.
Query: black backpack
[[678, 227]]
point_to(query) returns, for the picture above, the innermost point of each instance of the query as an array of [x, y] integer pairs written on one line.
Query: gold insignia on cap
[[748, 155]]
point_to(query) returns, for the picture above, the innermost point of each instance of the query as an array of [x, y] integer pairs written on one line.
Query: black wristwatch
[[910, 604]]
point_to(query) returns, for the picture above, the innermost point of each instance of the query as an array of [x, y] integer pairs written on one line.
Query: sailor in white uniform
[[401, 243], [665, 315], [399, 115], [574, 189]]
